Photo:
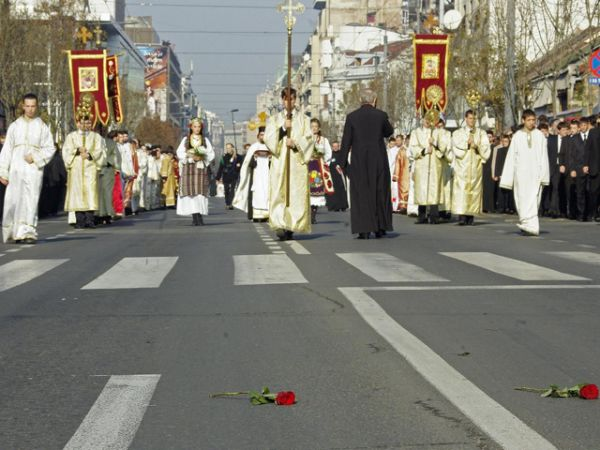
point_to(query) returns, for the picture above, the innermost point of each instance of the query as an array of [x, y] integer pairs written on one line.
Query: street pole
[[233, 111], [509, 83], [385, 71]]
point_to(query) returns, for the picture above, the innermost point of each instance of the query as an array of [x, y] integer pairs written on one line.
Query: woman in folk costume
[[195, 153], [319, 177]]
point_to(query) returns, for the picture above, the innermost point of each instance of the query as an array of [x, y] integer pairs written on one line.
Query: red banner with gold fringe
[[114, 88], [431, 53], [88, 75]]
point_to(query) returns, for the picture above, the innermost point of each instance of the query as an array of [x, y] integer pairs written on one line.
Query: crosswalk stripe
[[298, 248], [116, 415], [265, 269], [584, 257], [387, 268], [509, 267], [20, 271], [135, 273]]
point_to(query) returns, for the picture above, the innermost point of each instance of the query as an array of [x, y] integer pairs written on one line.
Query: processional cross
[[289, 8]]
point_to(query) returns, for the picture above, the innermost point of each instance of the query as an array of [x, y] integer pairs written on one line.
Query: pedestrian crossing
[[278, 267], [115, 417], [134, 273]]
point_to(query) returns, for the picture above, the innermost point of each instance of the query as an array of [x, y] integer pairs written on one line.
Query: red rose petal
[[589, 392], [285, 398]]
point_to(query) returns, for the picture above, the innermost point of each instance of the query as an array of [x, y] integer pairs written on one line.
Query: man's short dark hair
[[292, 92], [575, 122], [527, 113], [562, 125], [30, 96], [122, 132], [543, 126], [111, 134], [585, 120], [469, 112]]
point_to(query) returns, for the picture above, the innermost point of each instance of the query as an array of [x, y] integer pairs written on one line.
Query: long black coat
[[592, 151], [370, 180]]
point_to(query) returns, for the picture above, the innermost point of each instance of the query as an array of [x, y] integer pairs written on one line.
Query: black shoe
[[379, 234], [462, 222], [421, 221], [363, 236], [29, 241], [281, 234], [289, 235], [597, 219], [434, 220]]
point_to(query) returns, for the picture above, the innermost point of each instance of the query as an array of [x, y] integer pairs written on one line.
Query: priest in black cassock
[[369, 171]]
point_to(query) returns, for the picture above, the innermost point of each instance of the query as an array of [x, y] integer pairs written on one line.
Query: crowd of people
[[292, 170]]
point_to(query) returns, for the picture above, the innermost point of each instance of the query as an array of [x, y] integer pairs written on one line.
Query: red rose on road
[[289, 398], [589, 392]]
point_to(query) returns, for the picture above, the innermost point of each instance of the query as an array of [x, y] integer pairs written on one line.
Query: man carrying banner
[[84, 156]]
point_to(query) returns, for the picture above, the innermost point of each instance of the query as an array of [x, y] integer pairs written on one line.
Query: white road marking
[[116, 415], [13, 250], [493, 287], [558, 241], [135, 273], [584, 257], [20, 271], [265, 269], [1, 255], [387, 268], [509, 267], [298, 248], [497, 422], [278, 252], [586, 246]]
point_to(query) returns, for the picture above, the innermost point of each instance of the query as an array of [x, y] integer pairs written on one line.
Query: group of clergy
[[440, 173], [112, 177]]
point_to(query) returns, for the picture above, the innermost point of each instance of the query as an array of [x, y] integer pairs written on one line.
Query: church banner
[[88, 75], [114, 88], [431, 56]]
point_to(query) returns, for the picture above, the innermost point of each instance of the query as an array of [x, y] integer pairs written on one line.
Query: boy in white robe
[[526, 171], [28, 148]]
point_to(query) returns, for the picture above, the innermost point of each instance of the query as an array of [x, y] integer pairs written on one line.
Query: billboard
[[155, 79]]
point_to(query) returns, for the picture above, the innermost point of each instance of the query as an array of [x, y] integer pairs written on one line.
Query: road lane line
[[135, 273], [584, 257], [298, 248], [497, 287], [492, 418], [20, 271], [116, 415], [13, 250], [265, 269], [387, 268], [509, 267]]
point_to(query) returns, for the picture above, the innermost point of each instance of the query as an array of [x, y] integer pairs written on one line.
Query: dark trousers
[[594, 195], [433, 212], [576, 195], [505, 200], [229, 192], [84, 218], [553, 200]]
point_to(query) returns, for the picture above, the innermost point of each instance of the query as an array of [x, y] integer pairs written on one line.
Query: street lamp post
[[233, 111]]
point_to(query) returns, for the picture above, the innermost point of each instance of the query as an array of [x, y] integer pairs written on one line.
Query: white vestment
[[188, 205], [24, 137], [526, 172], [260, 183], [323, 148]]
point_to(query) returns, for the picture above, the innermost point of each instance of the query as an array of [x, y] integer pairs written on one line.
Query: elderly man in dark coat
[[369, 172]]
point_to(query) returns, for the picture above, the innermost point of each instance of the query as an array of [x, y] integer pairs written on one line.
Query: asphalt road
[[115, 337]]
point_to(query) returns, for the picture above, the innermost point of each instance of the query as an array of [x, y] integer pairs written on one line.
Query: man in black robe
[[338, 201], [369, 171]]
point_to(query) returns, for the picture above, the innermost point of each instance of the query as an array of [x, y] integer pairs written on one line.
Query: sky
[[236, 46]]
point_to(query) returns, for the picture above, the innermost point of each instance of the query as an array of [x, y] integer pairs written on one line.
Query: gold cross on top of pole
[[289, 8]]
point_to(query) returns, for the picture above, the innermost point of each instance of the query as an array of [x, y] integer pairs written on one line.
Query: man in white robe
[[252, 194], [526, 172], [84, 156], [28, 148]]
